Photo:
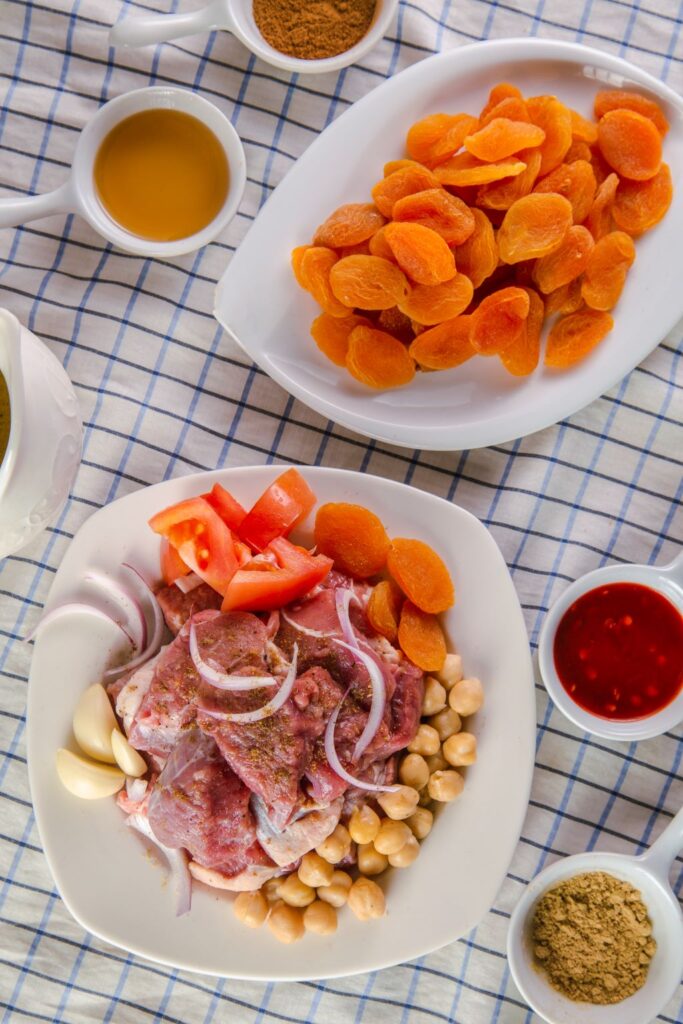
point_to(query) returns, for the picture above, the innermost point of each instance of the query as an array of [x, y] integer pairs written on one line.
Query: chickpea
[[445, 786], [406, 855], [425, 798], [426, 741], [315, 871], [435, 696], [363, 824], [366, 899], [295, 892], [371, 861], [467, 696], [420, 822], [391, 836], [414, 771], [270, 888], [251, 908], [461, 749], [336, 846], [398, 804], [451, 671], [337, 892], [446, 723], [286, 923], [320, 918], [436, 762]]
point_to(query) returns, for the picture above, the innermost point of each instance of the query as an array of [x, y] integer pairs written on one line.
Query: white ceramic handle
[[675, 569], [161, 28], [19, 210], [662, 854]]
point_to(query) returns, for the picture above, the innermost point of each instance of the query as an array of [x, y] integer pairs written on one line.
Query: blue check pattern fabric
[[163, 392]]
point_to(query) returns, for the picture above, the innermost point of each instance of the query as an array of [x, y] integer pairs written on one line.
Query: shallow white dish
[[99, 865], [478, 403]]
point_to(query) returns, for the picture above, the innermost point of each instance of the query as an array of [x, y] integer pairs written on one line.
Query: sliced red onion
[[129, 603], [379, 696], [188, 583], [223, 680], [82, 609], [157, 631], [337, 766], [304, 629], [343, 596], [177, 862], [136, 789], [266, 710]]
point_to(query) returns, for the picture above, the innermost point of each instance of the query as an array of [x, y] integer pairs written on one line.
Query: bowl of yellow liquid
[[158, 172]]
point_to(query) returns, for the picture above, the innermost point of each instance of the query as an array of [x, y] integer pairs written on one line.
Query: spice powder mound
[[593, 938], [313, 29]]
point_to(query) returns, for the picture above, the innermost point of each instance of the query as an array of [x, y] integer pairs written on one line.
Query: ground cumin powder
[[592, 937], [312, 29]]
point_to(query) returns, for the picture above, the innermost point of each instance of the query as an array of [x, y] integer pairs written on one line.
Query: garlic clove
[[93, 722], [127, 757], [89, 780]]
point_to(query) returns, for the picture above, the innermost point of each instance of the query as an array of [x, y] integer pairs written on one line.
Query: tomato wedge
[[172, 565], [201, 539], [227, 507], [265, 584], [285, 503]]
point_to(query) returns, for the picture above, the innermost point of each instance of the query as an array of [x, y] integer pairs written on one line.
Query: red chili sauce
[[619, 651]]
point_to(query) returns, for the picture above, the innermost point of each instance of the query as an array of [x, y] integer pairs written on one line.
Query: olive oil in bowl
[[4, 418]]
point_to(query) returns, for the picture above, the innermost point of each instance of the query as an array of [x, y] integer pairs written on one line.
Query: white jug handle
[[664, 851], [161, 28], [20, 209], [675, 569]]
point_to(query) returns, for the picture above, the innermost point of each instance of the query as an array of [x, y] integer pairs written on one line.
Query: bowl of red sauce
[[611, 651]]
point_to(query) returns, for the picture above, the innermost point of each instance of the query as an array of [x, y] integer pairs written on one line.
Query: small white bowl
[[667, 580], [237, 16]]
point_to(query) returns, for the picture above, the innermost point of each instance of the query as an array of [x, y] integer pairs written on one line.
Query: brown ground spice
[[313, 29], [592, 937]]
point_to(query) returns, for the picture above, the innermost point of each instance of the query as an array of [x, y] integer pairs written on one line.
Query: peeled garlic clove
[[93, 723], [127, 757], [88, 779]]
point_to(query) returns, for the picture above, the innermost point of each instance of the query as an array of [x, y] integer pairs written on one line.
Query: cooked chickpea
[[295, 892], [366, 899], [435, 696], [398, 804], [315, 871], [414, 771], [426, 741], [436, 762], [363, 824], [420, 822], [270, 888], [336, 846], [391, 836], [337, 892], [286, 923], [406, 855], [371, 861], [446, 723], [320, 918], [461, 749], [251, 908], [467, 696], [451, 671], [445, 786]]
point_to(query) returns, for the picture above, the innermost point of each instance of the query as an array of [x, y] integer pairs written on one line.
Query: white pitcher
[[44, 448]]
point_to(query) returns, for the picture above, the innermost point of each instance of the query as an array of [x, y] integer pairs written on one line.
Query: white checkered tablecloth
[[163, 392]]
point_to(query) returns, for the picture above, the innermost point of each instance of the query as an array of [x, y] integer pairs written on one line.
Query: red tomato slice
[[202, 540], [263, 585], [228, 508], [285, 503], [172, 565]]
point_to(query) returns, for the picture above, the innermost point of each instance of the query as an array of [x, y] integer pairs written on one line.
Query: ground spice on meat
[[313, 29], [593, 938]]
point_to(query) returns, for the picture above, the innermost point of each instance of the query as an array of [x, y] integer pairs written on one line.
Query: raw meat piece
[[178, 607]]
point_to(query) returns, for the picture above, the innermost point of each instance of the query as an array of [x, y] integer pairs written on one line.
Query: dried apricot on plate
[[566, 262], [393, 321], [512, 107], [433, 139], [500, 195], [574, 336], [639, 205], [297, 259], [421, 574], [498, 320], [437, 209], [402, 183], [464, 169], [576, 182], [420, 252], [501, 91], [534, 226], [421, 638], [444, 346], [521, 358], [630, 144], [566, 299], [501, 138], [432, 304], [353, 537], [331, 334], [384, 609], [315, 269], [478, 256], [554, 118], [579, 151], [367, 282], [606, 270], [379, 246], [583, 130], [599, 219], [349, 225], [378, 359], [622, 99], [397, 165]]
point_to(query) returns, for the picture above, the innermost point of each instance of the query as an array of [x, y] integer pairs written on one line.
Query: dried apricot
[[366, 282], [432, 304], [582, 129], [433, 139], [402, 183], [599, 219], [498, 320], [421, 638], [349, 225], [606, 270], [297, 259], [384, 609], [534, 226], [331, 334], [478, 256], [566, 262], [578, 151], [444, 346], [574, 336], [622, 99], [500, 195], [639, 205], [420, 252], [501, 91], [464, 169], [378, 359], [360, 249], [379, 246], [576, 182], [501, 138], [437, 209], [521, 357], [630, 144], [554, 118], [421, 574], [512, 107], [398, 165], [393, 321], [566, 299], [352, 536], [315, 269]]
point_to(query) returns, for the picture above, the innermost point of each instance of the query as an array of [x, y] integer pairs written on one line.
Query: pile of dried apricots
[[491, 224]]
